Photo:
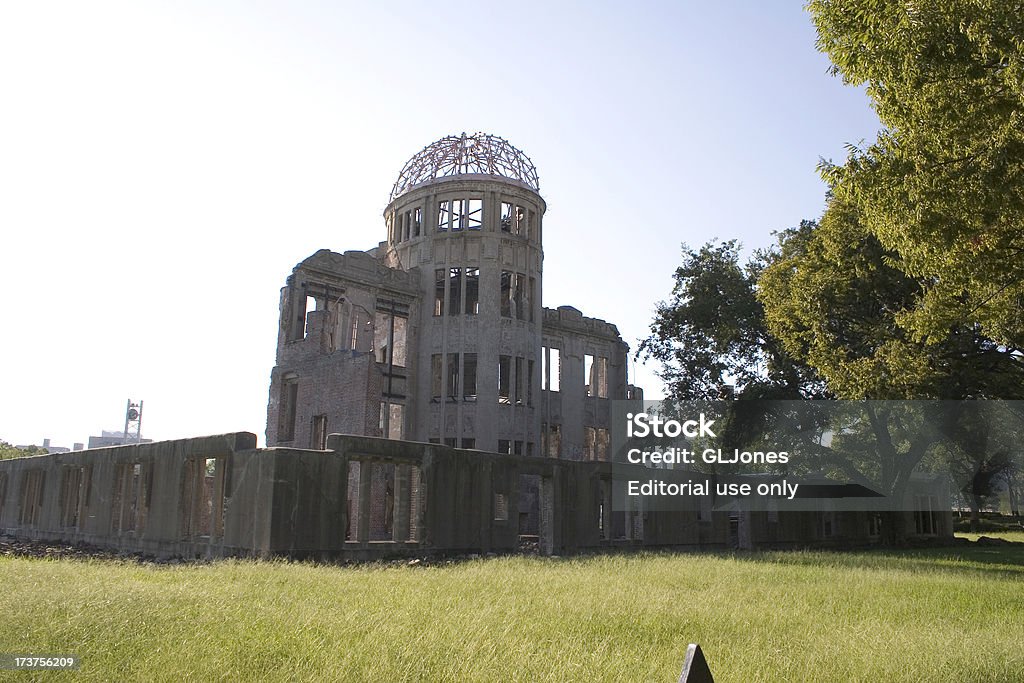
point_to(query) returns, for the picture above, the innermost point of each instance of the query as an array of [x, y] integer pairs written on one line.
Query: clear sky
[[164, 165]]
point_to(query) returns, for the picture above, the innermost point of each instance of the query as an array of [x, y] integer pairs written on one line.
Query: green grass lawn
[[931, 615], [1015, 536]]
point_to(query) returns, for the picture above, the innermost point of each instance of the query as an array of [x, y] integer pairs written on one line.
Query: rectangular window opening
[[453, 377], [32, 482], [531, 294], [518, 297], [469, 377], [555, 376], [473, 217], [520, 221], [288, 409], [507, 285], [554, 441], [381, 332], [506, 217], [395, 424], [382, 501], [70, 492], [318, 439], [454, 291], [352, 501], [589, 440], [529, 382], [415, 503], [500, 507], [297, 324], [504, 379], [519, 381], [130, 500], [338, 325], [439, 280], [601, 445], [458, 214], [472, 291], [309, 308], [436, 378], [360, 338], [444, 216], [398, 341]]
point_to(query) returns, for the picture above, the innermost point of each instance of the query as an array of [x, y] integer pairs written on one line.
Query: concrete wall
[[371, 498], [154, 498], [580, 410], [334, 352], [490, 248]]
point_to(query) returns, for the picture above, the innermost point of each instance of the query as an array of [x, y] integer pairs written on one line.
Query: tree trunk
[[1011, 488], [975, 513], [894, 532]]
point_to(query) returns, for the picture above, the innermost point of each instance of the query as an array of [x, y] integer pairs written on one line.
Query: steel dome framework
[[478, 153]]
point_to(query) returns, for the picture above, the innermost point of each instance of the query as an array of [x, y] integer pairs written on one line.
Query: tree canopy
[[834, 297], [911, 284], [710, 335], [8, 451], [942, 186]]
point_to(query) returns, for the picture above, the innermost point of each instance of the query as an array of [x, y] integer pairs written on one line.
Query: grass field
[[934, 615], [1015, 536]]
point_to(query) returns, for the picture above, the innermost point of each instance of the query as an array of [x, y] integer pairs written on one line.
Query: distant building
[[46, 445], [112, 438]]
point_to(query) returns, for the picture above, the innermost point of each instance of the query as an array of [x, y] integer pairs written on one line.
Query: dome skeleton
[[478, 153]]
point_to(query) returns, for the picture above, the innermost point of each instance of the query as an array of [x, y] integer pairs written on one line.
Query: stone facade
[[372, 498], [439, 334]]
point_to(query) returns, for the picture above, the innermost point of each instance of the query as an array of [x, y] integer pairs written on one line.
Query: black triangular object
[[695, 667]]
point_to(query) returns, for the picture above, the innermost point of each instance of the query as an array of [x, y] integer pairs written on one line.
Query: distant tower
[[467, 212], [133, 422]]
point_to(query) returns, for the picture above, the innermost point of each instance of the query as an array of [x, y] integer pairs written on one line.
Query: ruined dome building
[[436, 335], [439, 333]]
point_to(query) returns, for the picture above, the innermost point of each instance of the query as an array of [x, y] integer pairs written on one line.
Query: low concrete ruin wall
[[192, 497], [362, 498]]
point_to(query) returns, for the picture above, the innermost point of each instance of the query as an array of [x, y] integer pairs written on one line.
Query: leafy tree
[[8, 451], [834, 298], [710, 336], [943, 185], [816, 317]]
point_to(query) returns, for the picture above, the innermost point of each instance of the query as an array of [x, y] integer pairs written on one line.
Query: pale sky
[[164, 166]]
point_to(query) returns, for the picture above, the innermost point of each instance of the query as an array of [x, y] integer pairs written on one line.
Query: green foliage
[[835, 298], [710, 336], [911, 286], [943, 184], [759, 617], [830, 298], [8, 451]]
